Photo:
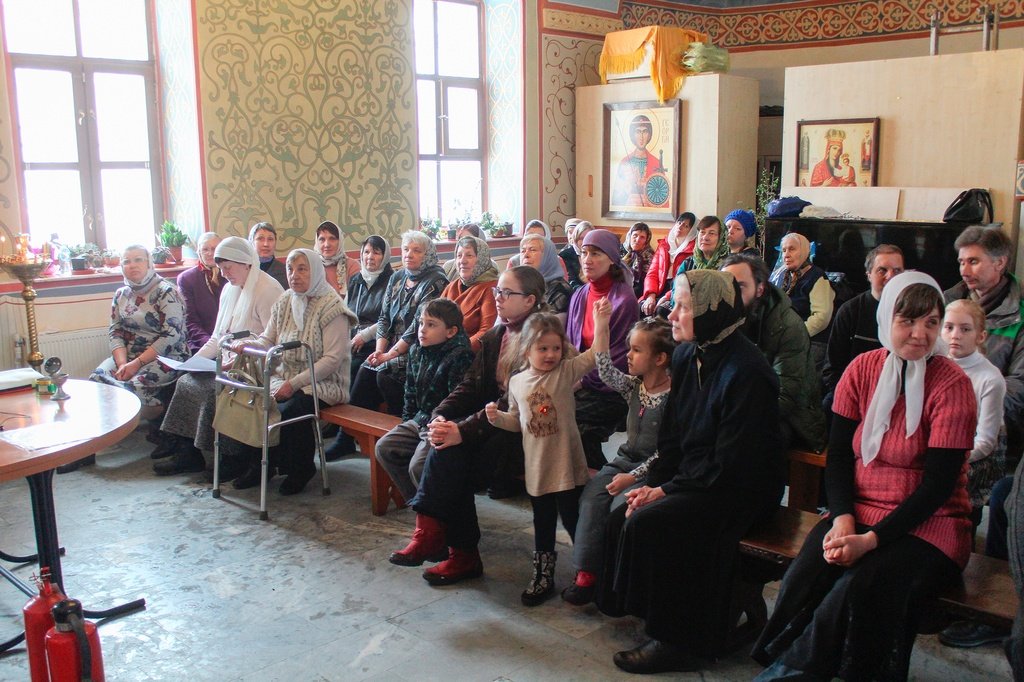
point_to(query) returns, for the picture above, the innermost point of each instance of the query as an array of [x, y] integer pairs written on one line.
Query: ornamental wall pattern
[[308, 115], [806, 24], [566, 63]]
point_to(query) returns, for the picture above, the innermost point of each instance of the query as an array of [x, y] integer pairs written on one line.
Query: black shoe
[[966, 634], [341, 446], [329, 431], [75, 466], [168, 445], [577, 595], [153, 433], [251, 477], [513, 487], [188, 461], [656, 657], [295, 483]]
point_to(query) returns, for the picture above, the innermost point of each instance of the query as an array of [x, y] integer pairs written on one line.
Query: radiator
[[81, 351]]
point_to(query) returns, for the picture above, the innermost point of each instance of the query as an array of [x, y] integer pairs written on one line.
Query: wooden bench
[[987, 593], [366, 427], [805, 472]]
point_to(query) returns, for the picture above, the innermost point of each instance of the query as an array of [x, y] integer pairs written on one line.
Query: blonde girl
[[963, 330], [542, 406]]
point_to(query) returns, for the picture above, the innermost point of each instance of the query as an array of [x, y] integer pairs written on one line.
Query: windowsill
[[13, 286]]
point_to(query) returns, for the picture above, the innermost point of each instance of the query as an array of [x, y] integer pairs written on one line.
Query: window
[[84, 90], [450, 107]]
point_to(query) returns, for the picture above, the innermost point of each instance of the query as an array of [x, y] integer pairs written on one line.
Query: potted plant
[[82, 256], [173, 238], [161, 254], [111, 258], [430, 227], [494, 226]]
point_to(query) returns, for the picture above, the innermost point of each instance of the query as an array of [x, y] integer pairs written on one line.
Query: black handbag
[[972, 206]]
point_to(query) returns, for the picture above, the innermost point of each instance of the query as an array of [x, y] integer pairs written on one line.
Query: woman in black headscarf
[[672, 549]]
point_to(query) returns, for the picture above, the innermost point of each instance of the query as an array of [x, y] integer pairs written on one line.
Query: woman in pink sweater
[[898, 531]]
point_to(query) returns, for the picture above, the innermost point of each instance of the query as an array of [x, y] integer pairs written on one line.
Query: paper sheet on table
[[17, 378], [42, 436], [196, 363]]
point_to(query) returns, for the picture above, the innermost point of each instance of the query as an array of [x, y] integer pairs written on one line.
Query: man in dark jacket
[[855, 327], [778, 331]]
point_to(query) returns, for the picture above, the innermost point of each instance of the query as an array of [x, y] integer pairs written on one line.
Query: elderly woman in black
[[366, 291], [672, 550]]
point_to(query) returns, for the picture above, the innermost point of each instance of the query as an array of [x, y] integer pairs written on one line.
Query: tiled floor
[[310, 594]]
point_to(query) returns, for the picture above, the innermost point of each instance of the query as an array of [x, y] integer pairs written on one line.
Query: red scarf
[[599, 288]]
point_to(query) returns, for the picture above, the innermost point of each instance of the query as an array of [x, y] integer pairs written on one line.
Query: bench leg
[[382, 489]]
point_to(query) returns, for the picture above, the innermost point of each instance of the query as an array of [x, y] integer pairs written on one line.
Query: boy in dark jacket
[[437, 361]]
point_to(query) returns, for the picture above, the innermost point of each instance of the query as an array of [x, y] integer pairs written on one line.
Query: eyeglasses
[[503, 294]]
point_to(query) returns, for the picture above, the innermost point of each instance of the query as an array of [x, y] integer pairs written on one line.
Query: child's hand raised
[[491, 410], [602, 311]]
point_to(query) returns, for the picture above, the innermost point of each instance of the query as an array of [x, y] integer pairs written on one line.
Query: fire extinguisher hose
[[84, 652]]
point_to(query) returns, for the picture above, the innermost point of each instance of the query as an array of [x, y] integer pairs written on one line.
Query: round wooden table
[[107, 414]]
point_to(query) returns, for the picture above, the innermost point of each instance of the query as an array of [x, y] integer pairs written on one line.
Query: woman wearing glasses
[[467, 450]]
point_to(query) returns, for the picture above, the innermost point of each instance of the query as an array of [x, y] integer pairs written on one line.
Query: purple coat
[[201, 306], [625, 313]]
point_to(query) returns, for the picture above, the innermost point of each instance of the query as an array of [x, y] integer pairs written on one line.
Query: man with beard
[[775, 328]]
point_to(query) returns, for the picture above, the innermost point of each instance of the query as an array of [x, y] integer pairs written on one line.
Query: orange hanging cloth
[[624, 52]]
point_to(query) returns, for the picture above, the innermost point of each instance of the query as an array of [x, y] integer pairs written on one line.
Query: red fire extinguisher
[[73, 646], [39, 619]]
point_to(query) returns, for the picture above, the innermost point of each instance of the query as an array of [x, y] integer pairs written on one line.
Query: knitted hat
[[744, 218]]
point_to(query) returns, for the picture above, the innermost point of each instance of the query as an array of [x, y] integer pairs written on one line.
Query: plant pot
[[112, 262], [175, 253], [451, 234], [79, 263]]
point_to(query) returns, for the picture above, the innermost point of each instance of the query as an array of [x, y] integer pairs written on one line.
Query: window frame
[[89, 166], [441, 86]]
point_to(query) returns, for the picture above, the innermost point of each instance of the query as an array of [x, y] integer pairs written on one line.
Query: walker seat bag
[[972, 206], [240, 413]]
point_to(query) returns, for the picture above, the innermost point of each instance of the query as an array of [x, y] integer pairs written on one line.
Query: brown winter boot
[[461, 564], [427, 543]]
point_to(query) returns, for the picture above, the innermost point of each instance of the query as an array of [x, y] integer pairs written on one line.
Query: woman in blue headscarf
[[541, 254]]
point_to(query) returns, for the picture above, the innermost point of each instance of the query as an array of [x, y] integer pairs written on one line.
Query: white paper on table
[[196, 363], [51, 434], [17, 378]]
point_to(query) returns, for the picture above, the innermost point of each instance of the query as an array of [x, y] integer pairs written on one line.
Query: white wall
[[946, 121]]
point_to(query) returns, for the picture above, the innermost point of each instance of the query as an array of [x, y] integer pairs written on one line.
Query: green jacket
[[781, 335], [432, 374]]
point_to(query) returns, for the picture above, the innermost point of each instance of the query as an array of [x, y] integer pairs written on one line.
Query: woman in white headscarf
[[898, 531], [311, 312], [245, 305], [147, 319]]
